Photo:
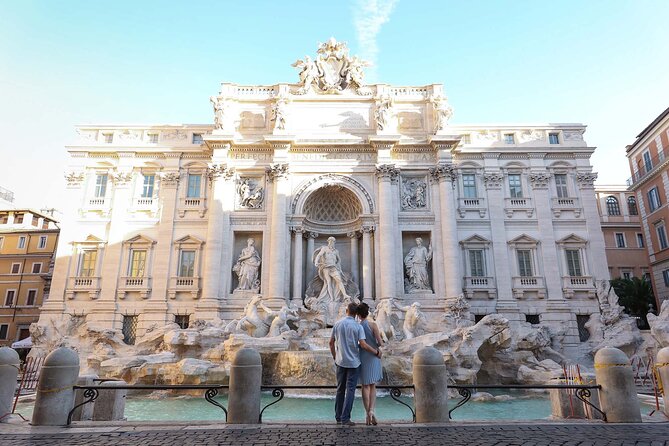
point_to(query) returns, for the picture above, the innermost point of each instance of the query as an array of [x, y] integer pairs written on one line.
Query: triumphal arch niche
[[352, 177]]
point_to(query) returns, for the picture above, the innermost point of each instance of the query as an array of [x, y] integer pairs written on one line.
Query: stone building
[[623, 237], [163, 216], [649, 165], [28, 242]]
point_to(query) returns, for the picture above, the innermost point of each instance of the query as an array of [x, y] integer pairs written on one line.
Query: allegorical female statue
[[415, 264], [247, 267]]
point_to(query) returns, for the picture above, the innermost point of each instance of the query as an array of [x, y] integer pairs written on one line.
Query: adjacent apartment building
[[27, 251], [624, 239], [649, 165]]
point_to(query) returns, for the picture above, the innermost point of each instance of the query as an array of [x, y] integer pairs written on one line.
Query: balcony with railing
[[472, 204], [141, 285], [479, 284], [184, 285], [524, 286], [197, 204], [83, 284], [646, 167], [562, 204], [520, 204], [98, 204], [581, 284]]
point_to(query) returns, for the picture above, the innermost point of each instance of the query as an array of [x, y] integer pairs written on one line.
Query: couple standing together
[[355, 349]]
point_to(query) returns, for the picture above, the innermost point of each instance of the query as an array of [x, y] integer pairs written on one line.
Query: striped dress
[[370, 369]]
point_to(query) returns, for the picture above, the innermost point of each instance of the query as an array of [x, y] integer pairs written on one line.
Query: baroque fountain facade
[[186, 242]]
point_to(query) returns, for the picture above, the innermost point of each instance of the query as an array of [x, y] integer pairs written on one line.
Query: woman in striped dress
[[370, 368]]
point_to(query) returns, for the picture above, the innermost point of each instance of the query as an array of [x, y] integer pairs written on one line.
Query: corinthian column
[[277, 174], [367, 264], [386, 174], [311, 270], [297, 264], [218, 228], [354, 256], [445, 175]]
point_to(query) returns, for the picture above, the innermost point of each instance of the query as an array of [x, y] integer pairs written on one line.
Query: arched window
[[631, 206], [612, 207]]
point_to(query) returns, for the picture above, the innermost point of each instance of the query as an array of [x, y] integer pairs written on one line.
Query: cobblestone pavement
[[454, 434]]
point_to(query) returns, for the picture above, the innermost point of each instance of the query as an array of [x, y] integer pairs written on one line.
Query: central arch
[[331, 179]]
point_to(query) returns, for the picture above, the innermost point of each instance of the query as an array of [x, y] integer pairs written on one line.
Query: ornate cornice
[[387, 172], [277, 171]]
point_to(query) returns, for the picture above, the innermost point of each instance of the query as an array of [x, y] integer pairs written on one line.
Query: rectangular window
[[22, 242], [620, 240], [4, 330], [187, 263], [654, 199], [4, 218], [101, 185], [30, 300], [662, 236], [129, 329], [42, 242], [648, 164], [9, 298], [469, 185], [515, 187], [137, 262], [18, 218], [626, 275], [37, 268], [665, 276], [561, 185], [35, 220], [639, 240], [466, 138], [476, 263], [524, 263], [553, 138], [194, 183], [147, 187], [509, 138], [88, 262], [153, 138], [16, 268], [182, 320], [532, 318], [197, 138], [573, 262]]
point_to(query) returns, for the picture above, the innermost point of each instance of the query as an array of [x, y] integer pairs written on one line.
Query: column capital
[[443, 172], [121, 179], [367, 229], [539, 180], [352, 234], [170, 178], [215, 171], [586, 180], [74, 179], [387, 172], [493, 180], [298, 230], [312, 235], [277, 171]]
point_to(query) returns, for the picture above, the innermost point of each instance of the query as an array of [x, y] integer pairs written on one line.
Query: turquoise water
[[320, 408]]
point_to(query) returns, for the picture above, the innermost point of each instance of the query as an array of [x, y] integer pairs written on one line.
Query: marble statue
[[281, 318], [219, 112], [414, 319], [414, 193], [279, 113], [247, 267], [382, 112], [383, 316], [308, 73], [252, 322], [415, 263], [442, 112], [250, 194], [328, 264]]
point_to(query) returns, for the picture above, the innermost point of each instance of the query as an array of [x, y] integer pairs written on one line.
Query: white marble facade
[[160, 214]]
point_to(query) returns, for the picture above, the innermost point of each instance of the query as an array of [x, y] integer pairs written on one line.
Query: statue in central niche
[[331, 287]]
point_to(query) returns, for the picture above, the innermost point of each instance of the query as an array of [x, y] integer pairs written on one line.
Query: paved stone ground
[[584, 434]]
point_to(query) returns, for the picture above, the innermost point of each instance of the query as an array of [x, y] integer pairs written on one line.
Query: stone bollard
[[9, 371], [110, 404], [662, 367], [85, 412], [245, 382], [618, 393], [430, 380], [55, 393]]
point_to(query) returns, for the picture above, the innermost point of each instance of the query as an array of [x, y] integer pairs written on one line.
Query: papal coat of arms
[[332, 72]]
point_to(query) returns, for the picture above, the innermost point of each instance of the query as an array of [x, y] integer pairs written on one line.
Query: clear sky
[[604, 63]]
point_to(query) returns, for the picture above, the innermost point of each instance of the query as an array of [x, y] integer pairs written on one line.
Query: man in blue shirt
[[347, 339]]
